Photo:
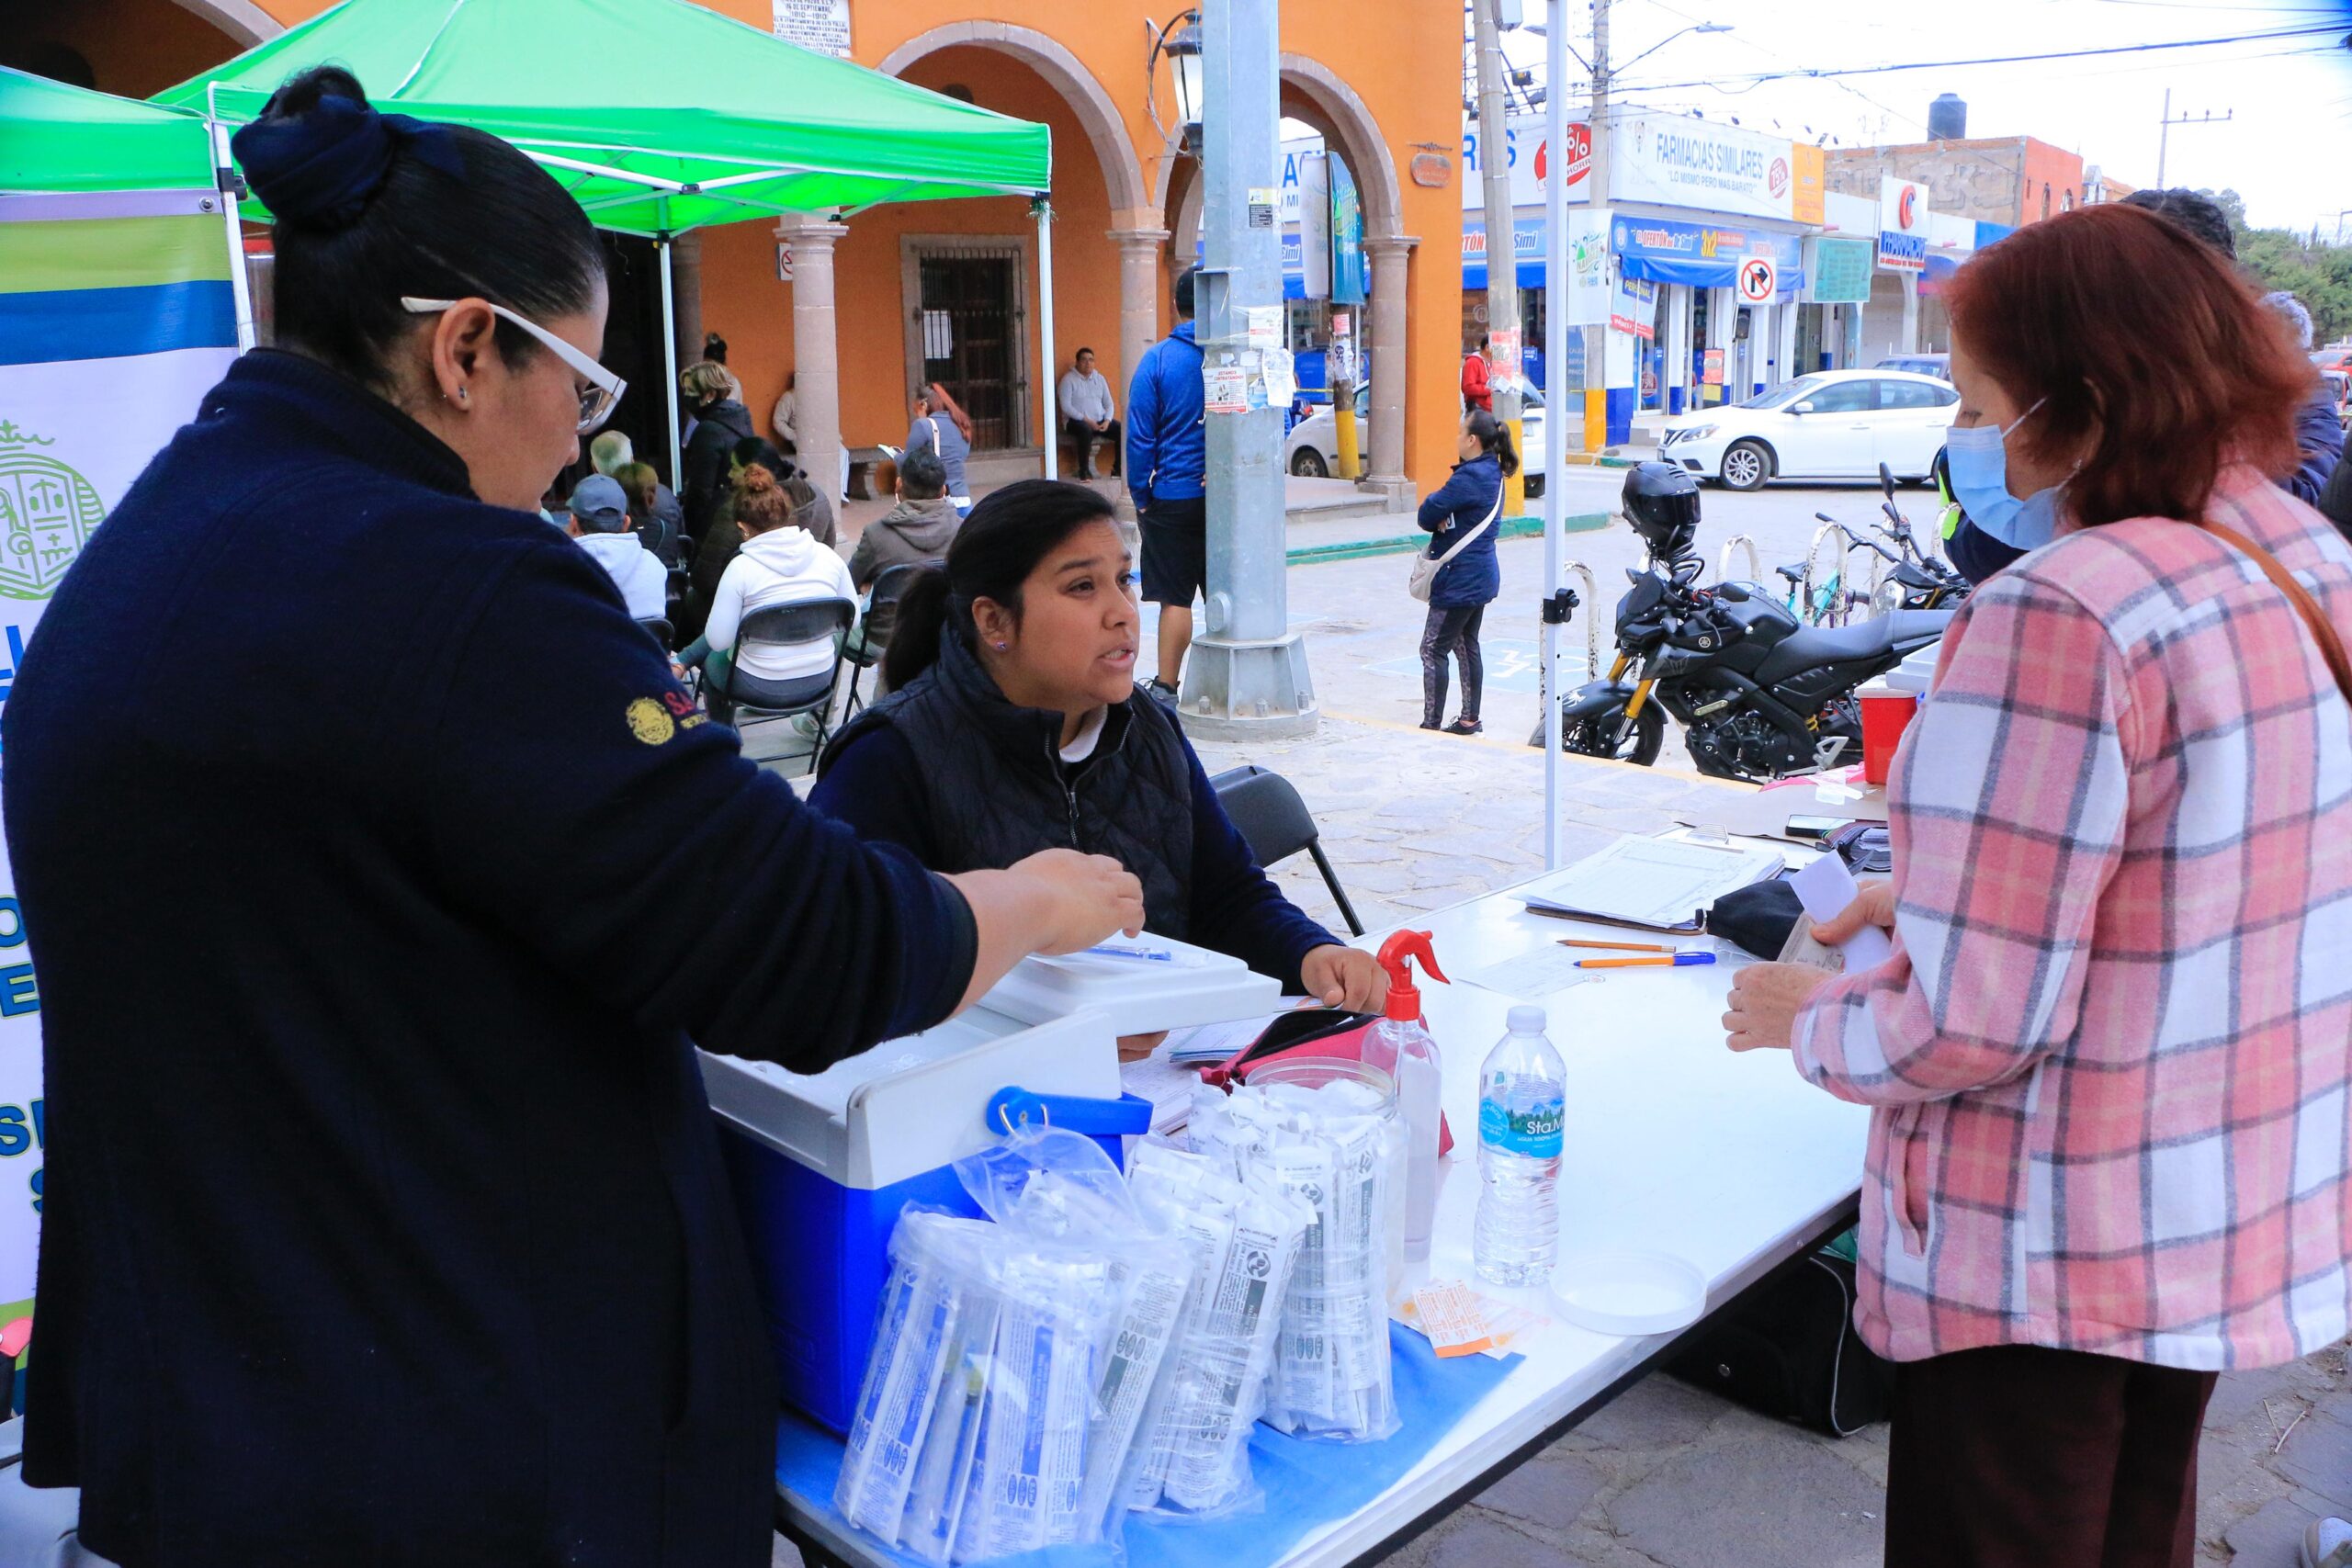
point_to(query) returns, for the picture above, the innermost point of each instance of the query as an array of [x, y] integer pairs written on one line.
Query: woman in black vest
[[1014, 725], [377, 902]]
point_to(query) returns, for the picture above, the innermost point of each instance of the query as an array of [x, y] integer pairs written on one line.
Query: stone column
[[816, 358], [1139, 288], [1140, 243], [685, 291], [1385, 464]]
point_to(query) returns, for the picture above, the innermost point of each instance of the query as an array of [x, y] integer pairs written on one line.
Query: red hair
[[761, 503], [2142, 345]]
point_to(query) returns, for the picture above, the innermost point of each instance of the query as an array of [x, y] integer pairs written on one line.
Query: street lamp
[[1180, 42], [1695, 28]]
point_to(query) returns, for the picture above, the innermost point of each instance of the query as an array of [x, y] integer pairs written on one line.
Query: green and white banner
[[116, 317]]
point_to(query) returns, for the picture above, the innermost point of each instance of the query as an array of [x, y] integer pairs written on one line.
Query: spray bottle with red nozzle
[[1401, 1046]]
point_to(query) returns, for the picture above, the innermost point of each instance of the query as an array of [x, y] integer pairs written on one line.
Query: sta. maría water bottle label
[[1530, 1130]]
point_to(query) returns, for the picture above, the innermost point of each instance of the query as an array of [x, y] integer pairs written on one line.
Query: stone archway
[[1314, 94], [1064, 71], [1134, 226], [243, 20]]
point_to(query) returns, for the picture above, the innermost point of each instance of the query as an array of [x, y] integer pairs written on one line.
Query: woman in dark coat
[[720, 422], [383, 1217], [1464, 514]]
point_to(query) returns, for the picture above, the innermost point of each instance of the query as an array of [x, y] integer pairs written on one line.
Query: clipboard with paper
[[1662, 885]]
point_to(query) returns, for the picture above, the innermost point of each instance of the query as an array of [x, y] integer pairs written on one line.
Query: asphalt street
[[1364, 630]]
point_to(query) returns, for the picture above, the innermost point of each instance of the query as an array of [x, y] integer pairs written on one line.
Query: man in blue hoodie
[[1167, 457]]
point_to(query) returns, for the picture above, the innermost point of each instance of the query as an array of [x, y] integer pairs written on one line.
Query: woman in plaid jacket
[[2111, 1057]]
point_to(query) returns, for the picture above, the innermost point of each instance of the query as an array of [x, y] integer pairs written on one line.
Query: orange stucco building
[[1379, 85]]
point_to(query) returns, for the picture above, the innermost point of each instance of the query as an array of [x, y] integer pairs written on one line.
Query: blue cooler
[[821, 1166]]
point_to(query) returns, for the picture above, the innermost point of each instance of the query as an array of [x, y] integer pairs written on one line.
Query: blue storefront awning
[[1702, 255], [1527, 236]]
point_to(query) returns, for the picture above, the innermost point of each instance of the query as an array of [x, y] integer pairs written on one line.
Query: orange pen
[[1676, 961]]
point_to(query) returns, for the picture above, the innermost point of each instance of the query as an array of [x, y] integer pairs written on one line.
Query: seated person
[[779, 564], [917, 531], [600, 522], [1014, 723], [716, 546], [653, 511], [938, 426]]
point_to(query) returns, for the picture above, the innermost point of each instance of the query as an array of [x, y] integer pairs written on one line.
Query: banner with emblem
[[116, 317]]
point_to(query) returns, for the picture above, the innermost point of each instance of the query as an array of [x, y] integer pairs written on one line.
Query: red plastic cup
[[1886, 714]]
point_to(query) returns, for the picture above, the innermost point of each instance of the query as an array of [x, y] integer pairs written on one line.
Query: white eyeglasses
[[598, 398]]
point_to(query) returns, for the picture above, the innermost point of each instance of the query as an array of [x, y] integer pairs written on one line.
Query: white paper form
[[1534, 975], [1652, 882]]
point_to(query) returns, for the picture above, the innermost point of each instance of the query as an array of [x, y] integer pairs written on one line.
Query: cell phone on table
[[1816, 826]]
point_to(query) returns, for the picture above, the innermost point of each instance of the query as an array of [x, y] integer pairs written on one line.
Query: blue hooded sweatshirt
[[1167, 442]]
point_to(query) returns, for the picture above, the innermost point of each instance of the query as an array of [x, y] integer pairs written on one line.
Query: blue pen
[[1155, 955], [1674, 961]]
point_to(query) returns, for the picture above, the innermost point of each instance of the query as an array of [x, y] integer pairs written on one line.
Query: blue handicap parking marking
[[1513, 665]]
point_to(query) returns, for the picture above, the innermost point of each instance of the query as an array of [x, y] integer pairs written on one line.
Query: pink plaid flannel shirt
[[2109, 1058]]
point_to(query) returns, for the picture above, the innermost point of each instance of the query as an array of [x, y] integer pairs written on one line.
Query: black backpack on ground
[[1788, 1348]]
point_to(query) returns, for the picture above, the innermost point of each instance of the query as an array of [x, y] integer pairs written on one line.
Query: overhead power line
[[1807, 73]]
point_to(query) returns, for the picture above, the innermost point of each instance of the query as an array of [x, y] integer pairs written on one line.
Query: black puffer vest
[[999, 789]]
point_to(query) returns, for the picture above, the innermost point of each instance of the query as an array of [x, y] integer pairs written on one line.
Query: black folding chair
[[799, 625], [871, 639], [660, 630], [1276, 824]]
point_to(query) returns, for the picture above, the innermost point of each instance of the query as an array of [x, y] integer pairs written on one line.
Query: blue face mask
[[1980, 482]]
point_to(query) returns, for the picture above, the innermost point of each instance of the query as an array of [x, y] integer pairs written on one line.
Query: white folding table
[[1673, 1142]]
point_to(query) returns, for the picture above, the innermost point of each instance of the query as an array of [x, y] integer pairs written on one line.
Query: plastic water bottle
[[1521, 1091]]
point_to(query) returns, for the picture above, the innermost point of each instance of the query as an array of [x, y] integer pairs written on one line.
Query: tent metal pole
[[1053, 435], [224, 179], [1556, 311], [661, 243]]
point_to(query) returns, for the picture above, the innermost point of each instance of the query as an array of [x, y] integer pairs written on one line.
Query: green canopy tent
[[659, 116], [57, 138]]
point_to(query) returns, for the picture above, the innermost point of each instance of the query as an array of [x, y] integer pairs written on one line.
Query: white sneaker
[[2327, 1544]]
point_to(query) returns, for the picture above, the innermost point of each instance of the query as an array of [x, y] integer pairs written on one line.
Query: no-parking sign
[[1758, 280]]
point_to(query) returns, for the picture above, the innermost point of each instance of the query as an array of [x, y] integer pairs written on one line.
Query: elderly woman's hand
[[1765, 998]]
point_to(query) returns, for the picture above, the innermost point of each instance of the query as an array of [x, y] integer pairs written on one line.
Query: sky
[[2285, 149]]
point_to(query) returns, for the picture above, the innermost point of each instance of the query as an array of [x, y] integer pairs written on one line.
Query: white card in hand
[[1825, 889]]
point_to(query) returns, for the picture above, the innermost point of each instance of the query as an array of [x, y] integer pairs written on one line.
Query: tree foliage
[[2306, 265]]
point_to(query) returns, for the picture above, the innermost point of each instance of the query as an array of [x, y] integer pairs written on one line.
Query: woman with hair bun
[[779, 563], [378, 907]]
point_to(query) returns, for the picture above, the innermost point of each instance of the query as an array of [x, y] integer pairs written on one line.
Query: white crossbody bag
[[1426, 567]]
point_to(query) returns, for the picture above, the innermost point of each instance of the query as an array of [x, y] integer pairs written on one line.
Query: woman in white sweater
[[780, 563]]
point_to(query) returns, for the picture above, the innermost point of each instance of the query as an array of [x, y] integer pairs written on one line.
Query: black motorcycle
[[1760, 695]]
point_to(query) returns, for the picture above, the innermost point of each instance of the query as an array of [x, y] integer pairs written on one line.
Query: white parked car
[[1832, 425], [1312, 450]]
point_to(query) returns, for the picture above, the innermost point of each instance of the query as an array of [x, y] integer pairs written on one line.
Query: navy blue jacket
[[1167, 440], [872, 781], [1463, 502], [376, 875]]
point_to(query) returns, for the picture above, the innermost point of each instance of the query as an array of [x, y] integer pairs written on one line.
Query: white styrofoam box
[[1916, 671], [909, 1106], [1191, 986]]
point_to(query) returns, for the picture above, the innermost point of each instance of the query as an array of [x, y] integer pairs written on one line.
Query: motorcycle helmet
[[1661, 501]]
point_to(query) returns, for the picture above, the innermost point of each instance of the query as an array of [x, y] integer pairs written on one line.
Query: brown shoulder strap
[[2331, 647]]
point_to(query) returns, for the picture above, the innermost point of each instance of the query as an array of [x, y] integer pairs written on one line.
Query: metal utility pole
[[2163, 133], [1248, 677], [1596, 338], [1502, 239]]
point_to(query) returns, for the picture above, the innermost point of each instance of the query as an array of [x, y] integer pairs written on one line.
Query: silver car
[[1312, 450]]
